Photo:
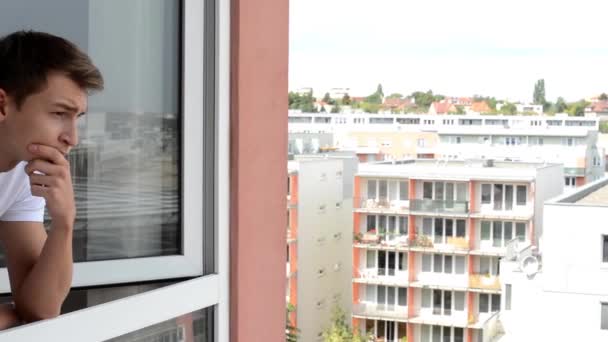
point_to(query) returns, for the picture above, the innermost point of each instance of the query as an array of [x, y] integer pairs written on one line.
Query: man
[[44, 82]]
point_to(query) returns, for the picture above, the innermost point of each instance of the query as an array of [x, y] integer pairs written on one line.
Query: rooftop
[[455, 170], [592, 194]]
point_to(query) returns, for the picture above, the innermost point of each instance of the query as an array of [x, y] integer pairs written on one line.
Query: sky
[[456, 48]]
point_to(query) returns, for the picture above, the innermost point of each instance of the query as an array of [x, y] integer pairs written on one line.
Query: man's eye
[[59, 113]]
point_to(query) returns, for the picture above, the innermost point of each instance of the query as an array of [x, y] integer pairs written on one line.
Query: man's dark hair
[[27, 57]]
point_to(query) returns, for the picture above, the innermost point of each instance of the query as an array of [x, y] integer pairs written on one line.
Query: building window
[[570, 181], [521, 195], [604, 316], [421, 142], [508, 294], [605, 248], [403, 190]]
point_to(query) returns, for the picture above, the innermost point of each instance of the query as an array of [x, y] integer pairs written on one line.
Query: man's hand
[[54, 184]]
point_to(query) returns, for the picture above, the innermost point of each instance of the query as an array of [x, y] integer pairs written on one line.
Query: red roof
[[442, 107], [395, 102], [480, 107], [600, 106]]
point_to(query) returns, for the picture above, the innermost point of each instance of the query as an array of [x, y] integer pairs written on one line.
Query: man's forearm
[[47, 284]]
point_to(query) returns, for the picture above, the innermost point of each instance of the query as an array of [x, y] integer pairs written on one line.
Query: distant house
[[600, 107], [529, 108], [480, 107], [460, 101], [358, 98], [443, 107], [396, 104]]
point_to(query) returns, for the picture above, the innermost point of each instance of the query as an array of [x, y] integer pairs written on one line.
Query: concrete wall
[[549, 183], [324, 242]]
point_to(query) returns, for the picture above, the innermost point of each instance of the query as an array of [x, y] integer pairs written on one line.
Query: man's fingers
[[42, 166], [43, 180], [49, 153], [39, 190]]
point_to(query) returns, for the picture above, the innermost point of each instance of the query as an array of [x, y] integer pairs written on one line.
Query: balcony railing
[[381, 203], [439, 206], [381, 239], [458, 243], [484, 281], [380, 310]]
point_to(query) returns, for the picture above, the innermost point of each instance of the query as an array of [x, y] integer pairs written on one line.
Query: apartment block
[[428, 236], [319, 240], [560, 139], [560, 293]]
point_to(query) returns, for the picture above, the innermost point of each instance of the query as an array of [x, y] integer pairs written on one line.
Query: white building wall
[[549, 183], [324, 242]]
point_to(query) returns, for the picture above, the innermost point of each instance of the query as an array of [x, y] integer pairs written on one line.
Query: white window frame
[[160, 305]]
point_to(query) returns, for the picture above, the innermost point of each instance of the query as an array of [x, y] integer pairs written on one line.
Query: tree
[[291, 332], [577, 108], [603, 97], [336, 109], [322, 110], [539, 92], [395, 96], [560, 105], [603, 127], [340, 331], [508, 109], [346, 100], [379, 90], [303, 102], [326, 98]]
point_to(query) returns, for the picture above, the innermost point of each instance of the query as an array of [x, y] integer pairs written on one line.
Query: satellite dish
[[529, 265]]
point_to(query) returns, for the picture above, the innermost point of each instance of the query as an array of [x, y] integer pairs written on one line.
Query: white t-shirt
[[16, 200]]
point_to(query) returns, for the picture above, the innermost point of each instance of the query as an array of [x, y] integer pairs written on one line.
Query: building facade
[[428, 236], [559, 293], [319, 245]]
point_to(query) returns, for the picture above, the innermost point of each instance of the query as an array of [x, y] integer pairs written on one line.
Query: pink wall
[[258, 156]]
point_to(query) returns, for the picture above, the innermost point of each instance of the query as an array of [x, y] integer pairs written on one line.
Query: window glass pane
[[382, 189], [426, 298], [370, 259], [381, 224], [402, 261], [371, 222], [485, 230], [402, 225], [381, 295], [483, 303], [459, 301], [427, 190], [508, 290], [449, 228], [403, 190], [460, 228], [459, 264], [521, 195], [484, 265], [508, 197], [436, 302], [436, 333], [391, 263], [497, 196], [427, 226], [437, 263], [390, 295], [458, 335], [605, 248], [449, 191], [508, 232], [604, 316], [196, 326], [403, 296], [447, 334], [486, 193], [426, 263], [495, 302], [381, 262], [520, 231], [370, 293], [447, 303], [497, 233], [371, 188], [439, 190], [461, 192], [448, 264], [438, 231], [425, 335], [126, 168]]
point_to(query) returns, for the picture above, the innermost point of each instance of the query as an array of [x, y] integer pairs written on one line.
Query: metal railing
[[484, 281], [439, 206], [383, 203], [380, 310]]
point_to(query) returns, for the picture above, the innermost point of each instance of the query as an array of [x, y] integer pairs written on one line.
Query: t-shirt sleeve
[[26, 207]]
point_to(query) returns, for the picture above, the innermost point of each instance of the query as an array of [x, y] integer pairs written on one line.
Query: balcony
[[439, 206], [459, 243], [484, 282], [382, 276], [380, 311], [382, 239], [381, 204]]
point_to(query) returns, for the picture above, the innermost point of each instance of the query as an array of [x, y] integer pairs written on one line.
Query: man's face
[[48, 117]]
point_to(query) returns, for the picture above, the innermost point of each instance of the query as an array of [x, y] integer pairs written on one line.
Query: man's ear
[[3, 104]]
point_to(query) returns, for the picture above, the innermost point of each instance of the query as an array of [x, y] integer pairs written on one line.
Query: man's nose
[[70, 136]]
